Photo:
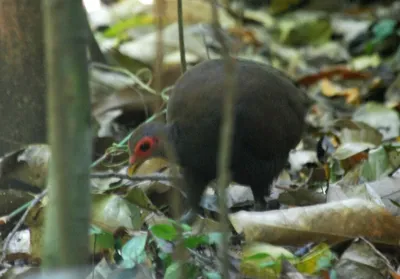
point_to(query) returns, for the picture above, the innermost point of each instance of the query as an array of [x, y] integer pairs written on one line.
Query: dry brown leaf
[[245, 35], [329, 222], [349, 163], [329, 89], [331, 73], [395, 275]]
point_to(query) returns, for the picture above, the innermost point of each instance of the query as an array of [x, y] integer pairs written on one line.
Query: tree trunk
[[22, 78]]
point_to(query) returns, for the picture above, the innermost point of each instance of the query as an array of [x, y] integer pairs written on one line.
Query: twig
[[181, 37], [379, 253], [19, 224], [226, 132], [176, 207], [142, 178], [125, 72], [94, 49], [132, 178], [159, 6], [394, 171]]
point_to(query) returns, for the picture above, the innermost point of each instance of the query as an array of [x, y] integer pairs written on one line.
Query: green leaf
[[119, 28], [164, 231], [324, 263], [214, 238], [212, 275], [95, 230], [104, 240], [377, 165], [268, 264], [100, 239], [384, 28], [186, 228], [133, 251], [194, 241], [258, 256], [166, 258], [173, 271]]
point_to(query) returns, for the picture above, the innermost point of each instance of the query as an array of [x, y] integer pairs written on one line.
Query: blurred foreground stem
[[69, 136]]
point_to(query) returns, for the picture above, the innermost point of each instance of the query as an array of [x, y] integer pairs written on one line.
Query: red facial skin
[[143, 149]]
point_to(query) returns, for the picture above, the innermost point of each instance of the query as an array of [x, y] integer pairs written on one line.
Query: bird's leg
[[261, 175], [195, 186], [260, 192], [259, 201]]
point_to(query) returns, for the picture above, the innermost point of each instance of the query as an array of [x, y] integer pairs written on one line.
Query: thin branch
[[159, 6], [19, 224], [140, 178], [94, 49], [226, 132], [123, 71], [181, 37], [171, 155], [132, 178]]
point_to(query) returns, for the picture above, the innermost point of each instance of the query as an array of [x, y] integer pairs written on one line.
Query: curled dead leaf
[[329, 222]]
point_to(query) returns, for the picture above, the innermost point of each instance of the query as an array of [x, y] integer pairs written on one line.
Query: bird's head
[[146, 142]]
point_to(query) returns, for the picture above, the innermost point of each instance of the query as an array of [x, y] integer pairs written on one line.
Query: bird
[[269, 120]]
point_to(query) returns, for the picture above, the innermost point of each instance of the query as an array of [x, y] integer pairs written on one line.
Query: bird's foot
[[262, 205], [273, 204]]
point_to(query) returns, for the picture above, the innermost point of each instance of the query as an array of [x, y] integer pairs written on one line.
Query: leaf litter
[[339, 201]]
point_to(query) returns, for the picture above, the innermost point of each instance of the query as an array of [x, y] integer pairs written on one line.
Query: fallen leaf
[[342, 72], [329, 222]]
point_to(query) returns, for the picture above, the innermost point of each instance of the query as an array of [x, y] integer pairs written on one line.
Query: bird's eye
[[145, 146]]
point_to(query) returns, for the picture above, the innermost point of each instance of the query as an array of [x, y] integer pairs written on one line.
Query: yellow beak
[[134, 166]]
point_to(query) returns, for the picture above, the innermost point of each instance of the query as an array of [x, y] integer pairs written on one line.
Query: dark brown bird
[[269, 118]]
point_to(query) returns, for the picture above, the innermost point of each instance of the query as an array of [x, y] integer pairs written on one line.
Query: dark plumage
[[269, 121]]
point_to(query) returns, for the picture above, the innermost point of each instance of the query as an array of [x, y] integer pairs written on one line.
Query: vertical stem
[[159, 7], [225, 144], [181, 37], [96, 54], [69, 134]]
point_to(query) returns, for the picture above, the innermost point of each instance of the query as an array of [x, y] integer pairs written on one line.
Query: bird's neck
[[170, 141]]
